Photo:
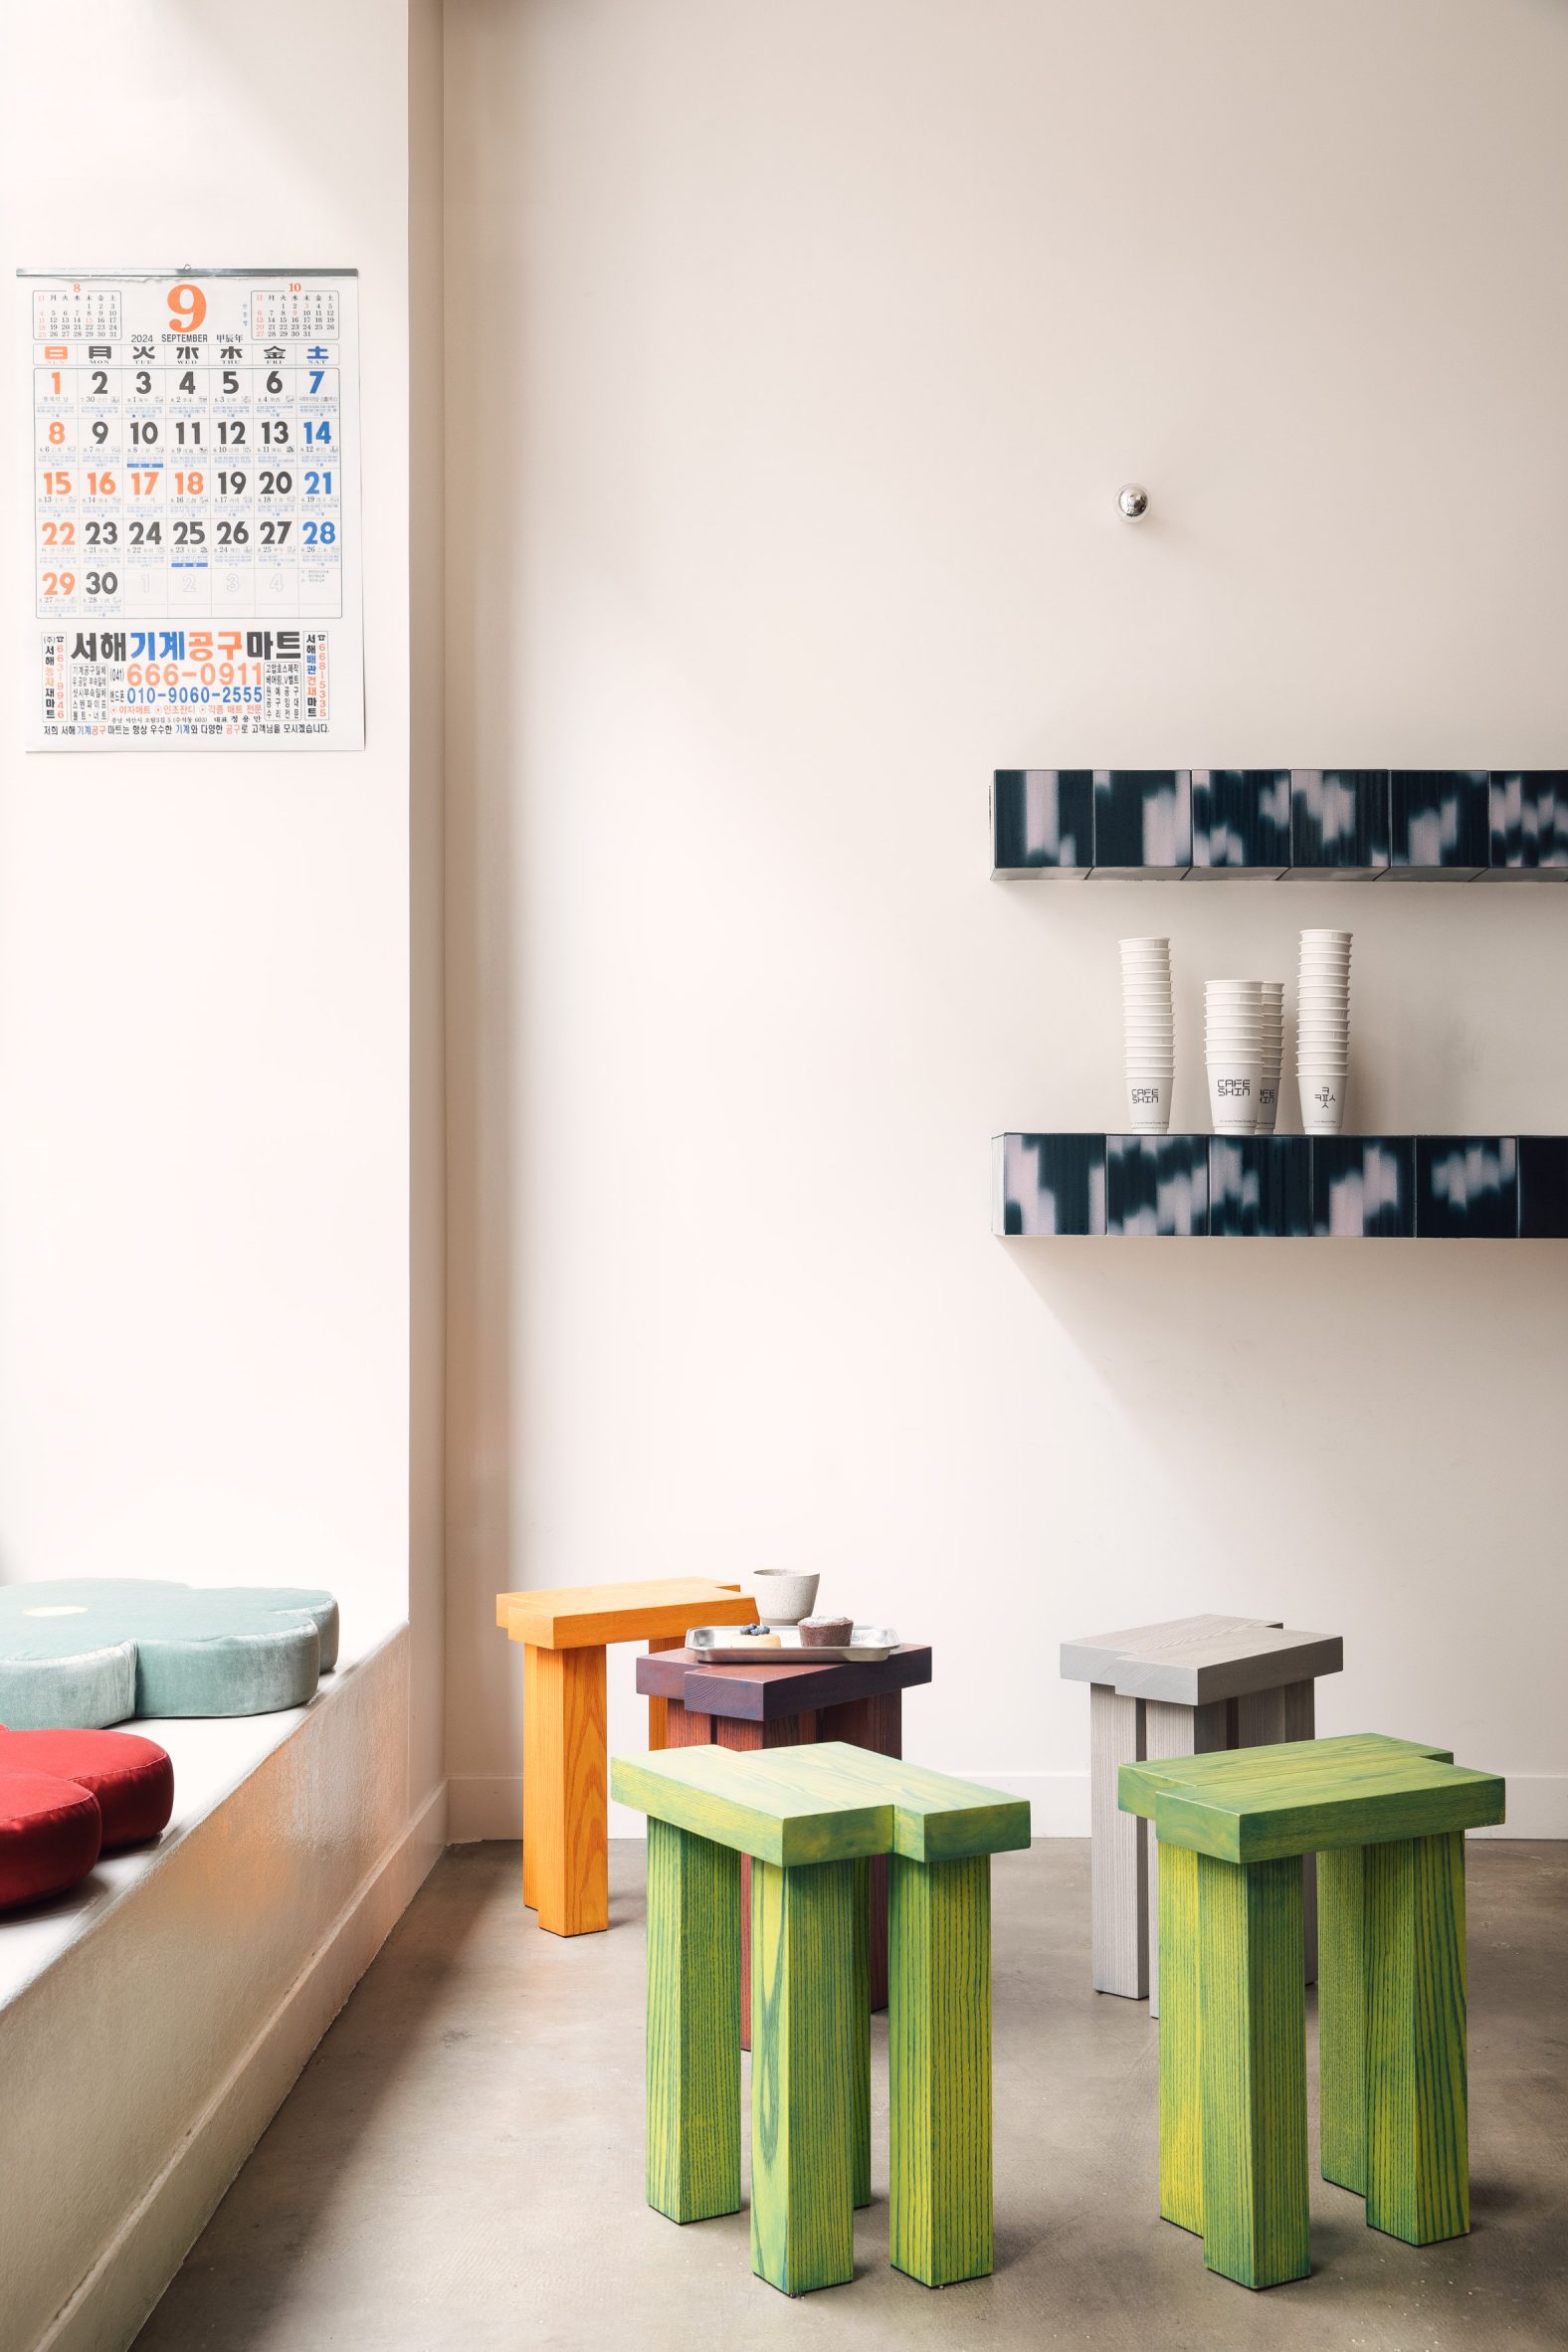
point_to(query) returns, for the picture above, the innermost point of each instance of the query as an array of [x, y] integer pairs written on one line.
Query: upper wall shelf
[[1431, 1187], [1281, 824]]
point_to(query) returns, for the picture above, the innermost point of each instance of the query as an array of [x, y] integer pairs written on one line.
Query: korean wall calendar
[[196, 572]]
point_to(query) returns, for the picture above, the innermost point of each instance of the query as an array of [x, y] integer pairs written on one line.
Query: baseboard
[[1059, 1805], [125, 2284]]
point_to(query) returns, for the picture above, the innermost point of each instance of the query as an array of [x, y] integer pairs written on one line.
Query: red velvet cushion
[[50, 1831], [131, 1778]]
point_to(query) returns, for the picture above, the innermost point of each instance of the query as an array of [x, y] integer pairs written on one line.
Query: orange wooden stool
[[565, 1634]]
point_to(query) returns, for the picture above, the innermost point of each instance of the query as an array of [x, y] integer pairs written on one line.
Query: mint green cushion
[[87, 1651]]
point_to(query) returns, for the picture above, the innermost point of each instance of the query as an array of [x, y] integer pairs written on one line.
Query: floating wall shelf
[[1281, 824], [1327, 1186]]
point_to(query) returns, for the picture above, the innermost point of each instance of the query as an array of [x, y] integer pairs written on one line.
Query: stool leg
[[1417, 2141], [1171, 1730], [802, 2124], [745, 1737], [861, 2035], [532, 1774], [658, 1708], [1119, 1887], [874, 1723], [1252, 2056], [939, 2068], [570, 1872], [693, 2025], [1264, 1717], [1181, 2082], [1342, 2018]]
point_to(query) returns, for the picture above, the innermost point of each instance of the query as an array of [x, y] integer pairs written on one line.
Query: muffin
[[825, 1632]]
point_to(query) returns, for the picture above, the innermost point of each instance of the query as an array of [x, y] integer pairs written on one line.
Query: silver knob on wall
[[1134, 499]]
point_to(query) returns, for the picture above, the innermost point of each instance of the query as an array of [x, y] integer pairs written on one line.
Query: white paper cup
[[1232, 1097], [1322, 1100], [1268, 1102], [1149, 1101]]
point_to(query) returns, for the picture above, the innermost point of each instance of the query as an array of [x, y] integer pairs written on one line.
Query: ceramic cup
[[1322, 1100], [784, 1595]]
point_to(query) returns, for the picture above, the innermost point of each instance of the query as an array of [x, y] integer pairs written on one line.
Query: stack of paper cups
[[1274, 1056], [1149, 1034], [1234, 1034], [1322, 1039]]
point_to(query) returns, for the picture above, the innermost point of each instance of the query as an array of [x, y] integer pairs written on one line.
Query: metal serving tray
[[716, 1645]]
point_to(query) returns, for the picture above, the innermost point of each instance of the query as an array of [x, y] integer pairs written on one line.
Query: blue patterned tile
[[1049, 1184], [1142, 822], [1543, 1188], [1156, 1185], [1364, 1186], [1241, 822], [1259, 1186], [1529, 823], [1441, 823], [1467, 1187], [1339, 818], [1042, 821]]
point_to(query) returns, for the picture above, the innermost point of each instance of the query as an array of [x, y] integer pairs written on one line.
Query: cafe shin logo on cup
[[1141, 1094], [1234, 1089]]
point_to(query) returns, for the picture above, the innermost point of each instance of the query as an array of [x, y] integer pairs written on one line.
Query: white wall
[[802, 348], [204, 961]]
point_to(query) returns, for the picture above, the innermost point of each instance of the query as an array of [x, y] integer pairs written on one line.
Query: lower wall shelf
[[1283, 1187]]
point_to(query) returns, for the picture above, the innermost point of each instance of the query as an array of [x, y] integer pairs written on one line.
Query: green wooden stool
[[810, 1818], [1387, 1818]]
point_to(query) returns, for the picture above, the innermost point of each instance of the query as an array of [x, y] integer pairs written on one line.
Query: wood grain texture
[[570, 1880], [775, 1685], [765, 1804], [1119, 1861], [1234, 1664], [693, 2025], [743, 1738], [532, 1774], [1097, 1658], [1265, 1718], [589, 1616], [1181, 2081], [1256, 1817], [685, 1728], [875, 1724], [1341, 2017], [802, 1999], [1173, 1731], [936, 1816], [939, 2068], [1300, 1724], [1417, 2144], [658, 1708], [861, 2035], [1143, 1785], [1253, 2059]]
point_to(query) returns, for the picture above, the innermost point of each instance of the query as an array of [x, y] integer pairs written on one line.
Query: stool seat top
[[773, 1687], [826, 1803], [587, 1616], [1192, 1661], [1245, 1805]]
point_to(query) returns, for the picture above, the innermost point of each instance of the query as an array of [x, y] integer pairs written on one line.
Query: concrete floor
[[460, 2163]]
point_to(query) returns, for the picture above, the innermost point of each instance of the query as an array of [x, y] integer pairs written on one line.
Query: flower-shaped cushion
[[93, 1651], [65, 1796]]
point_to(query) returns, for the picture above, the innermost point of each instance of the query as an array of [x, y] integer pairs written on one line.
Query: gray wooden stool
[[1183, 1688]]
